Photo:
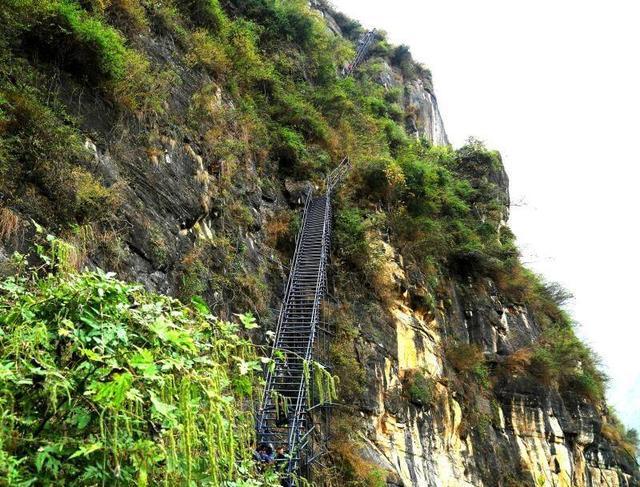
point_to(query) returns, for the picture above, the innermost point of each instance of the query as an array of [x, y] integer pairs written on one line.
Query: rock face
[[420, 104], [427, 121], [520, 434], [536, 438]]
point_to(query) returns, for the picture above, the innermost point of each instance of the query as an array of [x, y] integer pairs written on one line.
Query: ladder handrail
[[335, 176]]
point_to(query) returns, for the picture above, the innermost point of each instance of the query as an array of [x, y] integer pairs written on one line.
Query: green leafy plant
[[418, 387], [102, 382]]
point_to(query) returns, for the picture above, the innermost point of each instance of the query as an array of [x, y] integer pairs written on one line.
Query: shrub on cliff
[[104, 383], [42, 159], [86, 47], [418, 387], [206, 13], [624, 441], [560, 358], [468, 360]]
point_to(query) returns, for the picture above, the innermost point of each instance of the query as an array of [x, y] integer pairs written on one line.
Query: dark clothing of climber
[[264, 453]]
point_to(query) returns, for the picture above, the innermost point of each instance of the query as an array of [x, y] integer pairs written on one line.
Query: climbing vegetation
[[320, 384]]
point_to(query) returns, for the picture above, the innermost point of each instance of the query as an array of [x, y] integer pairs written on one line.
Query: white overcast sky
[[555, 86]]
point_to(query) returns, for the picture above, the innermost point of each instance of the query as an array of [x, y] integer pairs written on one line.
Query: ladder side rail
[[361, 51], [294, 433], [269, 379], [359, 56], [301, 396]]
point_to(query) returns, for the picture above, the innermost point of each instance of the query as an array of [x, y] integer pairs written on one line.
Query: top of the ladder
[[363, 46], [335, 177]]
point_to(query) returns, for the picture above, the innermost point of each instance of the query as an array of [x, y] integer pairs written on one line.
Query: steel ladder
[[285, 416]]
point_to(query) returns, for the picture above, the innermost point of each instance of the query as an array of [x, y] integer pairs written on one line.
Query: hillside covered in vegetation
[[169, 143]]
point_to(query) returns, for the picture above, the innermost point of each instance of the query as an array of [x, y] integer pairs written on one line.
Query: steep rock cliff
[[530, 435]]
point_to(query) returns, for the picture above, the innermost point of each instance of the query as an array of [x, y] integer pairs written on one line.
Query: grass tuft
[[9, 223]]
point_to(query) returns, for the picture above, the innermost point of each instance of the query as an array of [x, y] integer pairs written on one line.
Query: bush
[[396, 136], [282, 21], [241, 39], [42, 168], [289, 148], [382, 179], [468, 359], [103, 382], [91, 44], [89, 49], [128, 15], [561, 359], [350, 28], [290, 109], [350, 235], [624, 441], [418, 388], [206, 13], [209, 53], [381, 48], [401, 57]]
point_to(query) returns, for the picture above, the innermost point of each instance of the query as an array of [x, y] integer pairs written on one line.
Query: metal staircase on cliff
[[289, 415], [361, 52]]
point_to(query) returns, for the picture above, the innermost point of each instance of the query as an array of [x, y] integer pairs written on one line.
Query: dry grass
[[83, 240], [518, 362], [154, 154], [277, 228], [355, 469], [111, 248], [129, 15], [9, 224], [515, 283], [464, 356], [93, 200], [208, 53], [614, 432]]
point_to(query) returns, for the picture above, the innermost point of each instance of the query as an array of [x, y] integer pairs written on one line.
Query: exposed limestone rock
[[421, 106], [424, 116], [535, 437], [532, 435]]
